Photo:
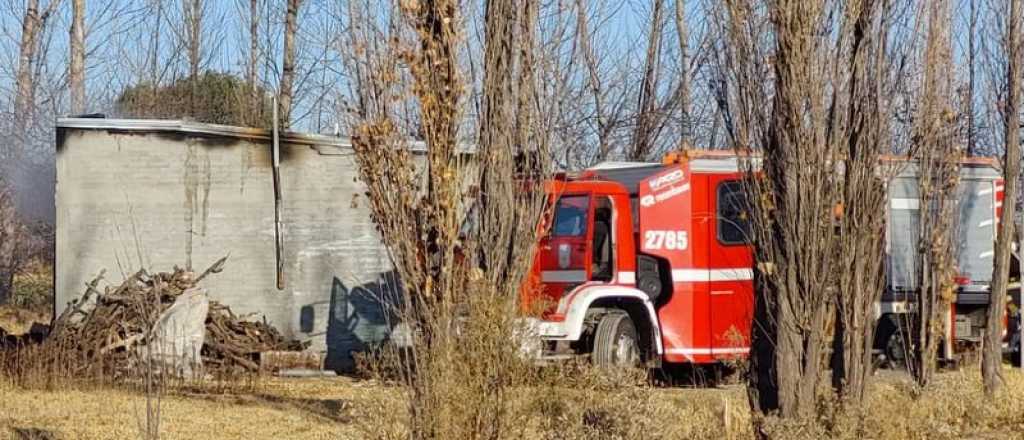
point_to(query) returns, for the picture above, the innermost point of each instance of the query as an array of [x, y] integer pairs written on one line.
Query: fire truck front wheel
[[615, 341]]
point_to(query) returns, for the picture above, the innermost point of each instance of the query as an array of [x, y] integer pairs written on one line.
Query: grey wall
[[134, 199]]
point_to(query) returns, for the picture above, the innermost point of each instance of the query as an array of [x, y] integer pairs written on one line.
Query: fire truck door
[[730, 279]]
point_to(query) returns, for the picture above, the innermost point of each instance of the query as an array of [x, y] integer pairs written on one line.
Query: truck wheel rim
[[626, 351]]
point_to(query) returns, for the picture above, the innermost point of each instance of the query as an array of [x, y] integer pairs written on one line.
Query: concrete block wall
[[130, 199]]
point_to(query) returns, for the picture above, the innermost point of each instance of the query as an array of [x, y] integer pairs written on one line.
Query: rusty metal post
[[279, 240]]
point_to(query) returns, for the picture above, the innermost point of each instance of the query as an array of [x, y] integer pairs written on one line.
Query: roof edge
[[202, 128], [182, 126]]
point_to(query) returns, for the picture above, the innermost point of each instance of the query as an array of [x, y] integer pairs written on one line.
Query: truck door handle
[[722, 292]]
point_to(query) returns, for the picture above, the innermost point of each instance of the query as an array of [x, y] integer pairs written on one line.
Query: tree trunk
[[76, 70], [288, 64], [646, 105], [686, 125], [25, 97], [194, 34], [194, 23], [254, 99], [992, 356], [970, 77]]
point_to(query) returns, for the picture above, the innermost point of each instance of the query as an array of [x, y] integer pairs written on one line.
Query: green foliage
[[212, 97]]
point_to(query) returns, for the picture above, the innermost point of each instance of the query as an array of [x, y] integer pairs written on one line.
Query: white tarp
[[179, 333]]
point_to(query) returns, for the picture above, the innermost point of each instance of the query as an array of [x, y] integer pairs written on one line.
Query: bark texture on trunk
[[24, 99], [992, 356], [288, 63], [973, 23], [76, 69], [682, 31], [194, 23], [194, 44], [250, 74]]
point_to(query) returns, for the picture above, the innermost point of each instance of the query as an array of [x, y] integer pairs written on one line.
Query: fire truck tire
[[892, 342], [615, 341]]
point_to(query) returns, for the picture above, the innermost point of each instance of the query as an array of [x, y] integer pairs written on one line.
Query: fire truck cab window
[[602, 258], [571, 216], [733, 221]]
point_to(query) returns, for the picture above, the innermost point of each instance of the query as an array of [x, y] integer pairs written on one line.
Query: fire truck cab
[[645, 263]]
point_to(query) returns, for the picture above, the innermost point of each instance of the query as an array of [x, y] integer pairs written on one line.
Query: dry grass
[[280, 409], [343, 408]]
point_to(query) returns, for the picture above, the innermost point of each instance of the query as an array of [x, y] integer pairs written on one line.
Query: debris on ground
[[113, 326], [279, 361]]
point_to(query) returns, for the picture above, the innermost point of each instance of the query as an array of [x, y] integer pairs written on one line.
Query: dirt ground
[[346, 408]]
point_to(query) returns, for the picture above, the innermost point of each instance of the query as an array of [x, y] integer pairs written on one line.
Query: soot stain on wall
[[197, 195]]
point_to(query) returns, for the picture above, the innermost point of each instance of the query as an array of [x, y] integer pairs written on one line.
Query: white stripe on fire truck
[[708, 275], [705, 350], [627, 277], [563, 276]]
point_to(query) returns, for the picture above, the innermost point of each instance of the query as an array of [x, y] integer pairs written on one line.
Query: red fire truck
[[652, 263], [647, 262]]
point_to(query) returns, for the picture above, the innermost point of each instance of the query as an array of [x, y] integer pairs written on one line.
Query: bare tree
[[647, 99], [992, 357], [861, 129], [32, 25], [604, 122], [815, 222], [462, 233], [76, 68], [288, 62], [938, 159]]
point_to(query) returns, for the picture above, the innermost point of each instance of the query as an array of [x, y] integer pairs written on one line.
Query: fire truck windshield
[[571, 216]]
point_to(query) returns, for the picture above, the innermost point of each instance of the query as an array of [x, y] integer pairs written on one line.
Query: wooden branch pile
[[233, 342], [104, 328]]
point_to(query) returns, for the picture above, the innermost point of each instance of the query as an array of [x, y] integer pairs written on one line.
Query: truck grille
[[964, 329]]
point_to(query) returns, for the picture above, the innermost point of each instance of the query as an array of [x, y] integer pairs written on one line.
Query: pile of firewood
[[106, 328], [233, 342]]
